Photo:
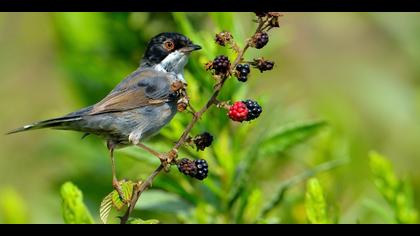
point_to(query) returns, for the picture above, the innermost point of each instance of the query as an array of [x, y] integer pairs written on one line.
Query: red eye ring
[[169, 45]]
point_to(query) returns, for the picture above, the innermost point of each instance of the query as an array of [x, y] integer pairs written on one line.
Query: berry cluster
[[254, 109], [244, 110], [220, 65], [262, 64], [259, 40], [242, 72], [203, 140], [222, 68], [195, 168]]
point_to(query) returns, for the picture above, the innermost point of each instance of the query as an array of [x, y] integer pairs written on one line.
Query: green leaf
[[290, 135], [138, 221], [73, 208], [127, 190], [105, 208], [315, 204], [396, 192]]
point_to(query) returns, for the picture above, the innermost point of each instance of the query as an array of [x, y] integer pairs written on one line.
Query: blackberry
[[202, 169], [187, 167], [254, 109], [195, 168], [203, 140], [238, 112], [260, 39], [263, 65], [221, 65]]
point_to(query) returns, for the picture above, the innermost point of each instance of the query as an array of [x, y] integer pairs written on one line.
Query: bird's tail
[[58, 123]]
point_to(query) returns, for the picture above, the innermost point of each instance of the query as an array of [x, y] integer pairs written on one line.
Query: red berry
[[238, 112]]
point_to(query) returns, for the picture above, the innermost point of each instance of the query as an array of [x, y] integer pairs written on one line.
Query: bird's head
[[168, 52]]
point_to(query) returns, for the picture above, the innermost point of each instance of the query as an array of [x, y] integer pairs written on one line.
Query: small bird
[[139, 106]]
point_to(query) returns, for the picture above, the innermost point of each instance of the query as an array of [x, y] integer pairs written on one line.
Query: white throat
[[174, 63]]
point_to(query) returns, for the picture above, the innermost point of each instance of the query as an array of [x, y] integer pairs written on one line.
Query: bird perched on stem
[[139, 106]]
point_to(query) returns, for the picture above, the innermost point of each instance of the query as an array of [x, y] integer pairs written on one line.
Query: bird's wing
[[142, 88]]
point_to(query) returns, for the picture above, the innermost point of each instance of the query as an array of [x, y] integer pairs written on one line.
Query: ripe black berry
[[254, 110], [202, 169], [221, 65], [260, 39], [203, 140], [242, 72], [195, 168]]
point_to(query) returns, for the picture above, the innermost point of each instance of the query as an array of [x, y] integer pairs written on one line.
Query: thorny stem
[[138, 189]]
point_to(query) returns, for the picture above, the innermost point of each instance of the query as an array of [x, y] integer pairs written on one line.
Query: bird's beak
[[190, 48]]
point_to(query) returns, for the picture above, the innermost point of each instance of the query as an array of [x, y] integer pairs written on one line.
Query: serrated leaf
[[105, 208], [127, 190], [73, 208], [315, 204], [290, 135], [138, 221]]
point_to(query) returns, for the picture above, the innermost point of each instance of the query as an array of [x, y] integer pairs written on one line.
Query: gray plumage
[[140, 105], [140, 118]]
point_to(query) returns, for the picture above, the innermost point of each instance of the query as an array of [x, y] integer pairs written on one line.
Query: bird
[[139, 106]]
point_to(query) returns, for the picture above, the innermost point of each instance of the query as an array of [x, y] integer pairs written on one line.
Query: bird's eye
[[169, 45]]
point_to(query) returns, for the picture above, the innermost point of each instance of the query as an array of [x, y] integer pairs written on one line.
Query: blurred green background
[[357, 71]]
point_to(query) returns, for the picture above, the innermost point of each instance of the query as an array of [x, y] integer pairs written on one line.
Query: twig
[[137, 190]]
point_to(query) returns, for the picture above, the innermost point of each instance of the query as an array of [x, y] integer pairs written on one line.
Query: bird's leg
[[165, 158], [161, 157], [115, 183]]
